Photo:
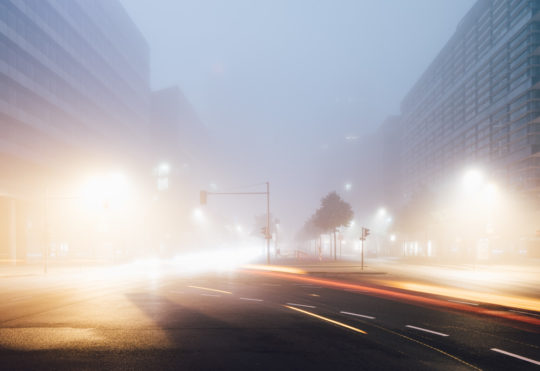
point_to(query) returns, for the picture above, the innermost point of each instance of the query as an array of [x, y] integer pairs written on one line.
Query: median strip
[[326, 319], [516, 356]]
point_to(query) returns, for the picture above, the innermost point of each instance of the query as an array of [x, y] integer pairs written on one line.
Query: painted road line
[[426, 330], [516, 356], [357, 315], [301, 305], [463, 302], [326, 319], [214, 295], [521, 312], [209, 289], [251, 299], [314, 295]]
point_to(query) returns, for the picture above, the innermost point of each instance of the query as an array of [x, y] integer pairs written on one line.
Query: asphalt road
[[151, 319]]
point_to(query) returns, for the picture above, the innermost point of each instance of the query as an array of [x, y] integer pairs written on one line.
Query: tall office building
[[478, 103], [74, 91]]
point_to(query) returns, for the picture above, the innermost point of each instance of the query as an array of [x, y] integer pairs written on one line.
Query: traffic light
[[365, 232], [203, 197]]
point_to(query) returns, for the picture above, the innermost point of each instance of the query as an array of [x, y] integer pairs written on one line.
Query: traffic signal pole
[[267, 235], [267, 223], [365, 233]]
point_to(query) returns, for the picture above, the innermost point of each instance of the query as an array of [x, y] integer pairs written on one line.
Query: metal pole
[[362, 238], [267, 222], [46, 230]]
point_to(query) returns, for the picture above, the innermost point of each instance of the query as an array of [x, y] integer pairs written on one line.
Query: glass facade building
[[478, 103], [74, 91], [74, 78]]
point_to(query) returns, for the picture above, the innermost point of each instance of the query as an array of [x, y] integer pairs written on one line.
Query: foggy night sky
[[279, 82]]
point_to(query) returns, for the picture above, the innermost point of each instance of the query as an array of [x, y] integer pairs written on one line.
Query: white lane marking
[[357, 315], [426, 330], [251, 299], [214, 295], [301, 305], [516, 356], [529, 313], [463, 302]]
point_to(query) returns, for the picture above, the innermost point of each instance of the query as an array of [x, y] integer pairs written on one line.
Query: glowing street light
[[348, 186], [198, 216], [472, 180], [381, 212], [392, 237]]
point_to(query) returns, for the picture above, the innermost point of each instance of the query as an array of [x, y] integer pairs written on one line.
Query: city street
[[153, 317]]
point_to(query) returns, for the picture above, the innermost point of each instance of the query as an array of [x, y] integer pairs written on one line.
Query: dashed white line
[[463, 302], [516, 356], [251, 299], [214, 295], [357, 315], [301, 305], [426, 330], [529, 313]]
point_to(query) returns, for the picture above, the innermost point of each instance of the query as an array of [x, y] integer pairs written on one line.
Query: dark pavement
[[154, 318]]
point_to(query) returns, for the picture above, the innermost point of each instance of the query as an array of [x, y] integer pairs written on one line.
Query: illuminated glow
[[352, 223], [392, 237], [239, 228], [164, 169], [198, 215], [381, 212], [217, 260], [472, 180], [348, 186], [274, 268], [111, 187], [326, 319]]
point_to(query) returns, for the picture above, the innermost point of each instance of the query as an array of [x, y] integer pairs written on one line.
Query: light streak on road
[[210, 289], [326, 319], [402, 296], [273, 268], [503, 300]]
